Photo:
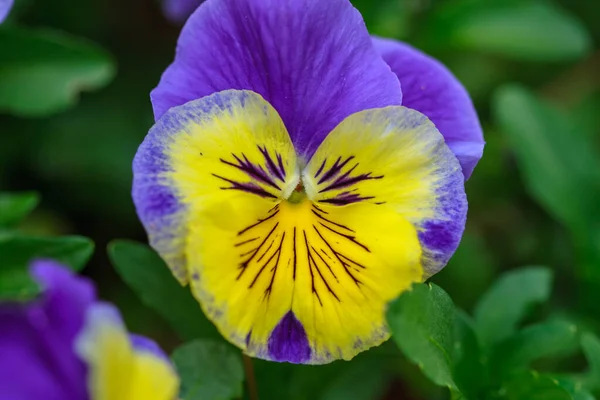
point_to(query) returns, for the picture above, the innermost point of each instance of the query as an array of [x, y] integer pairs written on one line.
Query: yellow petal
[[116, 370]]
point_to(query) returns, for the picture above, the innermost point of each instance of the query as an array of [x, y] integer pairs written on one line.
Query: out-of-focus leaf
[[15, 206], [531, 385], [575, 388], [591, 349], [364, 380], [365, 377], [587, 119], [17, 251], [209, 370], [422, 324], [469, 367], [43, 72], [560, 168], [548, 339], [509, 300], [147, 274], [459, 273], [527, 30]]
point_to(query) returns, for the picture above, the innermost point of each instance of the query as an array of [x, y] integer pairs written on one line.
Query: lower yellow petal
[[333, 268]]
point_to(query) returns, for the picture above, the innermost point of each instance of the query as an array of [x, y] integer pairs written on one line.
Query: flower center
[[298, 195]]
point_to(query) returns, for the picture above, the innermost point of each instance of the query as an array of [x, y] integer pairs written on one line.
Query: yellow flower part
[[118, 369], [296, 259]]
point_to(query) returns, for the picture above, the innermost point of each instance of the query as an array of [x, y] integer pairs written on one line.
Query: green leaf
[[16, 206], [549, 339], [459, 272], [147, 274], [358, 381], [533, 386], [367, 376], [422, 323], [559, 166], [17, 251], [43, 72], [209, 371], [509, 300], [575, 388], [591, 348], [531, 31], [469, 367]]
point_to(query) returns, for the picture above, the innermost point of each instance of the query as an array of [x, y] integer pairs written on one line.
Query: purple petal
[[36, 339], [66, 297], [429, 87], [143, 344], [313, 60], [288, 341], [5, 6], [179, 10]]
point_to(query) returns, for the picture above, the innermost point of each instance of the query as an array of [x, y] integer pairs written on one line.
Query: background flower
[[37, 339], [5, 6], [60, 345]]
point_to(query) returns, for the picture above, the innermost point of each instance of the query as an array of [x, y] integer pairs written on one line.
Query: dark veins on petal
[[262, 178], [261, 255], [340, 176]]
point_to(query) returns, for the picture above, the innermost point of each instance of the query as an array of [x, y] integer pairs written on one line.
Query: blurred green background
[[531, 66]]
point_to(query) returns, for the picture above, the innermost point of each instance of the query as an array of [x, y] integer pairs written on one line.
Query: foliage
[[496, 330], [492, 357]]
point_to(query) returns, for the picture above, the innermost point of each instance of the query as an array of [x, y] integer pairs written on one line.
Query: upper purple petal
[[36, 339], [179, 10], [429, 87], [5, 6], [313, 60]]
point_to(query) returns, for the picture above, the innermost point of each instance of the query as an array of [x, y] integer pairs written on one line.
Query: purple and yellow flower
[[5, 6], [292, 182], [66, 345]]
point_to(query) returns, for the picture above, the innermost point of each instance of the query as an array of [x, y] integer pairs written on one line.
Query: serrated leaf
[[509, 300], [43, 72], [531, 31], [16, 206], [150, 278], [548, 339], [559, 167], [17, 251], [422, 324], [209, 370]]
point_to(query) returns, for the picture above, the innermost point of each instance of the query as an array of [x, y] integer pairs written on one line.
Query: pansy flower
[[5, 6], [288, 182], [66, 345]]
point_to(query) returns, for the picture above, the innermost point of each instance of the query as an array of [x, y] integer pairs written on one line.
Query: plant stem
[[250, 377]]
